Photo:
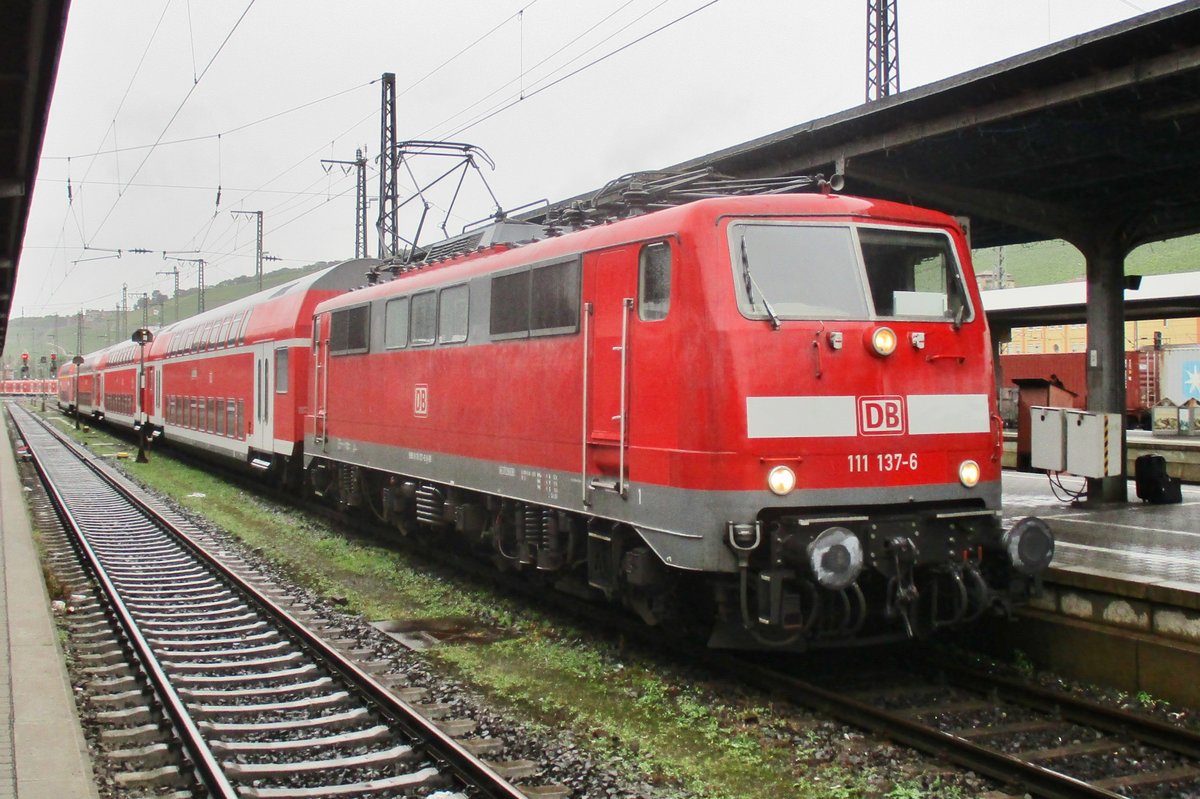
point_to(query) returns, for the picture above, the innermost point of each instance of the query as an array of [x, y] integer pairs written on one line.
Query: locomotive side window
[[510, 305], [395, 324], [786, 270], [654, 282], [349, 329], [913, 274], [452, 315], [554, 299], [281, 370], [423, 319]]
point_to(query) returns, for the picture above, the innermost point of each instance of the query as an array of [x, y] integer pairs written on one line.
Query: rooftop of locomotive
[[590, 231]]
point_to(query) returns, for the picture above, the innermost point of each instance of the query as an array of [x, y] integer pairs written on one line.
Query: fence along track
[[262, 705]]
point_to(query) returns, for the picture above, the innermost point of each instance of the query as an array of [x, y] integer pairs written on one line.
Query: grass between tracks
[[623, 709]]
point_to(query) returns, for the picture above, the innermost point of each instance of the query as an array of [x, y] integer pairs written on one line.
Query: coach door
[[320, 379], [146, 392], [610, 281], [263, 437]]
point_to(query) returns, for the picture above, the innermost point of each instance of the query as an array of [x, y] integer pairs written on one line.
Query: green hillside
[[1047, 262], [41, 335]]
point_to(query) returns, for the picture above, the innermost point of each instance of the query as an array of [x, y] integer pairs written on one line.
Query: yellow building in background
[[1073, 338]]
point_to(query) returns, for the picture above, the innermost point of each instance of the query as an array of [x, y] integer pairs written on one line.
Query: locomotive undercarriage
[[802, 581], [571, 552]]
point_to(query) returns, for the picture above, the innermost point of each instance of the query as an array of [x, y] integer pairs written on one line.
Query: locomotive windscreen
[[912, 274], [806, 271]]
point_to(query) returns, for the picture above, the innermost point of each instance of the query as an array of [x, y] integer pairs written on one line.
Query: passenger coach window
[[281, 371], [452, 315], [554, 299], [424, 319], [654, 282], [348, 330], [395, 324]]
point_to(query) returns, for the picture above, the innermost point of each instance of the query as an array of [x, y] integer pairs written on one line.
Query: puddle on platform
[[422, 634]]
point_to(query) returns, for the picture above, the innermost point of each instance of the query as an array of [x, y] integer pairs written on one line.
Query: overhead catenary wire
[[178, 109], [547, 58], [297, 206], [583, 68]]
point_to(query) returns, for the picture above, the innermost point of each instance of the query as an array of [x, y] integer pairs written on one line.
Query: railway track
[[1035, 741], [1001, 728], [260, 705]]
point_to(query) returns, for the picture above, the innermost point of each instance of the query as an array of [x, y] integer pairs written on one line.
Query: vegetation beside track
[[651, 720]]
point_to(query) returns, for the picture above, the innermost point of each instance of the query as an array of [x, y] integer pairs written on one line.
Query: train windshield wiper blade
[[752, 286]]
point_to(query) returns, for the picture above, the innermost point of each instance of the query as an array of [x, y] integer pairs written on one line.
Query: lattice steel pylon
[[388, 224], [883, 49]]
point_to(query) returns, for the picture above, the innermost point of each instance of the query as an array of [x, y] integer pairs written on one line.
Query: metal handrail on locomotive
[[739, 410]]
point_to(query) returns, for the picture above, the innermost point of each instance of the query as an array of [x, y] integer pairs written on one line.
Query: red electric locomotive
[[775, 414]]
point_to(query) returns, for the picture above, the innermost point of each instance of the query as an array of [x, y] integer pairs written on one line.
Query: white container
[[1047, 438], [1093, 443]]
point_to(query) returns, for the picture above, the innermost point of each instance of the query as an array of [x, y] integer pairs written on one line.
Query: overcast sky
[[221, 74]]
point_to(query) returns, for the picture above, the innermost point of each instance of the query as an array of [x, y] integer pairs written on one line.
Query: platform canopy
[[1094, 133], [31, 35]]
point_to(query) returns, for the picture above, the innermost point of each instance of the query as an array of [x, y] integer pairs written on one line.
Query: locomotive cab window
[[654, 282], [789, 270], [349, 329], [913, 274], [452, 315], [395, 324]]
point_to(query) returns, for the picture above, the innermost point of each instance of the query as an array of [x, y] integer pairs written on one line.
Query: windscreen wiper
[[752, 286]]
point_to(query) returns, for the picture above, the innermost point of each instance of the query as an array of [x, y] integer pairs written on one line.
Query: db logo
[[421, 401], [880, 416]]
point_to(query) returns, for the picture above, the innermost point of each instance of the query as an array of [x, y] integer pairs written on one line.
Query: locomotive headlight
[[883, 341], [1030, 545], [781, 480], [835, 558], [968, 473]]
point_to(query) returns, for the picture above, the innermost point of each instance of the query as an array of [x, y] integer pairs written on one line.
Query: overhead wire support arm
[[258, 252], [360, 199], [200, 264]]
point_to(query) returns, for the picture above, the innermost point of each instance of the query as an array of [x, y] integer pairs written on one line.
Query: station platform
[[43, 754], [1134, 542], [1120, 605]]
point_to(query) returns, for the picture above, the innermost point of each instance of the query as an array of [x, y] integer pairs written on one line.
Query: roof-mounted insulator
[[574, 216], [636, 198]]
